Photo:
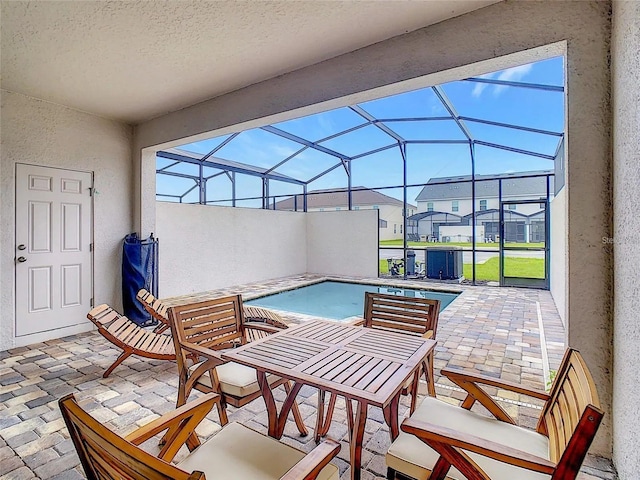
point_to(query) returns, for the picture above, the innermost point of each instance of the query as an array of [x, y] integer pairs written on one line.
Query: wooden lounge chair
[[130, 337], [201, 330], [159, 311], [235, 452], [441, 440]]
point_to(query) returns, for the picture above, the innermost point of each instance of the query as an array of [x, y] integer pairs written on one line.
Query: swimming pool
[[339, 300]]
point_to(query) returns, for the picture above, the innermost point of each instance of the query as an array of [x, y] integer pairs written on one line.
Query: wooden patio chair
[[410, 315], [441, 440], [235, 452], [130, 337], [200, 330]]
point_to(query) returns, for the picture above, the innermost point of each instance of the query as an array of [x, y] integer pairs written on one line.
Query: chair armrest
[[203, 352], [434, 434], [468, 376], [181, 424], [310, 466], [263, 327], [428, 334]]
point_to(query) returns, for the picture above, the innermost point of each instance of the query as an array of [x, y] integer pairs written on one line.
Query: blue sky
[[519, 106]]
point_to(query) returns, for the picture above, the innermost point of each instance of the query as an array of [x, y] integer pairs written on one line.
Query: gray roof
[[337, 197], [459, 187], [440, 216]]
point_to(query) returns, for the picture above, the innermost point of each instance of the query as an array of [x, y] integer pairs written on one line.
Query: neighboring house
[[391, 209], [446, 202]]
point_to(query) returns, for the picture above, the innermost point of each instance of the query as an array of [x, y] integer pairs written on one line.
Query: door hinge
[[91, 247], [91, 302]]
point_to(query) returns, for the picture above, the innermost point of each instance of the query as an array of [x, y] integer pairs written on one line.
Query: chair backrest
[[397, 312], [154, 306], [216, 324], [571, 416], [106, 455]]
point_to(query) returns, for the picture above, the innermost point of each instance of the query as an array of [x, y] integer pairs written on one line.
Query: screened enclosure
[[468, 164]]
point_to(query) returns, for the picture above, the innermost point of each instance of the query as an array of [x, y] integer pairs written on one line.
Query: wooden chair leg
[[391, 474], [297, 416], [126, 352], [222, 413]]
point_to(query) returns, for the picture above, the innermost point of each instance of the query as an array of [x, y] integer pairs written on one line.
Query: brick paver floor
[[513, 334]]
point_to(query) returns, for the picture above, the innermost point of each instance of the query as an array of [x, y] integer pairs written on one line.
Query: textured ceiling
[[136, 60]]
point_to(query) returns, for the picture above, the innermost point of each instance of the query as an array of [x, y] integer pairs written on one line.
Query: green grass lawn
[[399, 243], [489, 271]]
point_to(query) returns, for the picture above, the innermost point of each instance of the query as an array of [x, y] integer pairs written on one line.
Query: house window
[[356, 208], [454, 206], [543, 202], [322, 209], [400, 228], [512, 206], [375, 207], [394, 228], [483, 204], [382, 223], [338, 208], [429, 206]]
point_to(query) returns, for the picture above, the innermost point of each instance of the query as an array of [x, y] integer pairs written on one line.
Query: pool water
[[339, 300]]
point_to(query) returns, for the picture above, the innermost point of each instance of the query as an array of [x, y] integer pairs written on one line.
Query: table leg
[[414, 391], [320, 417], [323, 423], [277, 420], [356, 434], [391, 416]]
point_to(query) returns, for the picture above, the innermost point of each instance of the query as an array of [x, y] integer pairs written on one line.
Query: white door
[[53, 248]]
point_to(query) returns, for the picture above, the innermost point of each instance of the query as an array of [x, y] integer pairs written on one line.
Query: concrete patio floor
[[513, 334]]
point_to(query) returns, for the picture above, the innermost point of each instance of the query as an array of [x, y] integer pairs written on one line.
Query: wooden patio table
[[363, 365]]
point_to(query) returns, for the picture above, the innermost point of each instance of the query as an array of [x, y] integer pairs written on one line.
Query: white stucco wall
[[205, 247], [43, 133], [502, 35], [626, 235], [558, 252], [343, 243]]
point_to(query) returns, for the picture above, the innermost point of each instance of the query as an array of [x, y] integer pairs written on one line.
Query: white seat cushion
[[411, 456], [235, 379], [239, 453]]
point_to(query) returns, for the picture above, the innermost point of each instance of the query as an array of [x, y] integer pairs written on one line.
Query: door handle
[[22, 259], [21, 246]]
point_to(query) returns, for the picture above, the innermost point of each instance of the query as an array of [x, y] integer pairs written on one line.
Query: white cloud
[[512, 75], [479, 87], [509, 75]]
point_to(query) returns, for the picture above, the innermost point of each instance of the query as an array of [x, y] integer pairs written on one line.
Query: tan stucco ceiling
[[135, 60]]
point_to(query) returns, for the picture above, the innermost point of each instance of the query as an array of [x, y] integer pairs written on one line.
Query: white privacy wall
[[206, 247], [558, 252], [343, 243]]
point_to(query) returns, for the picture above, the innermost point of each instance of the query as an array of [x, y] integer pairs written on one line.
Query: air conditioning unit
[[444, 263]]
